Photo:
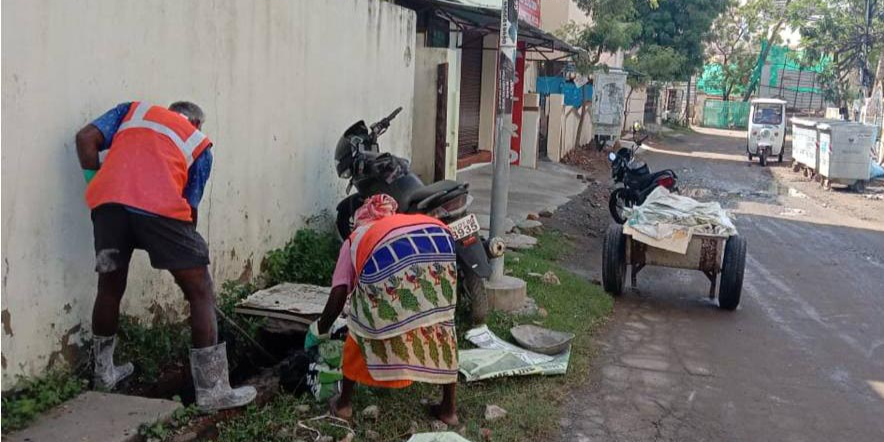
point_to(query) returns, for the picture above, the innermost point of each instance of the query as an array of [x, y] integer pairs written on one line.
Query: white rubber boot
[[211, 380], [106, 375]]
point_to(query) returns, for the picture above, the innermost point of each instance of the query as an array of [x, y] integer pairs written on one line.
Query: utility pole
[[506, 65], [504, 292]]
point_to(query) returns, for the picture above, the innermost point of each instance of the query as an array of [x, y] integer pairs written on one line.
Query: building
[[279, 81]]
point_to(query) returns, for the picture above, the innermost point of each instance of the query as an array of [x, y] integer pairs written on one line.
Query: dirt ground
[[802, 359]]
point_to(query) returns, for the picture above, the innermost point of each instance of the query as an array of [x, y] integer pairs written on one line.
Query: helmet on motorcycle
[[351, 145]]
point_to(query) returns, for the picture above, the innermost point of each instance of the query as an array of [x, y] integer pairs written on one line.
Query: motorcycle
[[359, 160], [635, 179]]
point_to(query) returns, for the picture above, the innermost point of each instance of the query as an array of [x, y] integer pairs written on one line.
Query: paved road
[[802, 359]]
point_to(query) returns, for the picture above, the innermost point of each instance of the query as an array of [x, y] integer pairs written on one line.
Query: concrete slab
[[531, 190], [96, 417]]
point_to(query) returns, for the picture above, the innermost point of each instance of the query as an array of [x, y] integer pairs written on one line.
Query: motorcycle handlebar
[[381, 126]]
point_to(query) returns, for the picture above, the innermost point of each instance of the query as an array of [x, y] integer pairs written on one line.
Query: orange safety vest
[[364, 240], [146, 167]]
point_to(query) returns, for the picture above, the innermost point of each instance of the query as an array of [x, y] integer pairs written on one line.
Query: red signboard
[[529, 12], [518, 96]]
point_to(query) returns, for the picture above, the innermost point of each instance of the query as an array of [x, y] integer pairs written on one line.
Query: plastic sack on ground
[[442, 436], [498, 358]]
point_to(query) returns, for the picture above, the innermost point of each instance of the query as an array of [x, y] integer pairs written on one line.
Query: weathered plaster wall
[[280, 81]]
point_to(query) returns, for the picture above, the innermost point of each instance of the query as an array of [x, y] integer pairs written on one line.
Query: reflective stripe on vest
[[185, 146]]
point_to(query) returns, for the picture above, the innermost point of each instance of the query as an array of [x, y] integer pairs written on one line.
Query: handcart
[[710, 254]]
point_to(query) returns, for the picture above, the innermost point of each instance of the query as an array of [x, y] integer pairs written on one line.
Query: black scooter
[[635, 179], [358, 159]]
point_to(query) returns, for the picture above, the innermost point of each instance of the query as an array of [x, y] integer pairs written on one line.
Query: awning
[[486, 20]]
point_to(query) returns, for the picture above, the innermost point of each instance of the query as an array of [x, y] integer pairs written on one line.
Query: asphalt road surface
[[802, 359]]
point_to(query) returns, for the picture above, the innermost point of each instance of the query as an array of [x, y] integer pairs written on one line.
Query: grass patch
[[36, 396], [163, 430], [533, 402]]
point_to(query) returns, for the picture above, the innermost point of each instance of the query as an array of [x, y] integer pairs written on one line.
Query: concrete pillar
[[555, 127], [530, 130]]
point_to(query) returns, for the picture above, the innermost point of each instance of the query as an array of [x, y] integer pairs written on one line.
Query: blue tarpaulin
[[574, 96]]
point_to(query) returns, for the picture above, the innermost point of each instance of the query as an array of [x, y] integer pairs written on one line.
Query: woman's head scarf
[[375, 208]]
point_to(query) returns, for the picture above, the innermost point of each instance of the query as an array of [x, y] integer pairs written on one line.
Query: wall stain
[[247, 272], [7, 322], [70, 351]]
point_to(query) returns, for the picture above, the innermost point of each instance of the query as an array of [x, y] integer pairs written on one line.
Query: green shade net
[[726, 114], [780, 58]]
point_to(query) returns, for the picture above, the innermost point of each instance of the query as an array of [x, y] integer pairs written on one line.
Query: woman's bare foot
[[345, 413], [449, 417]]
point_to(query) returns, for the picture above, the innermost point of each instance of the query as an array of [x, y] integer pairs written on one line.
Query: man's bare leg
[[342, 404], [197, 286], [106, 310], [446, 411]]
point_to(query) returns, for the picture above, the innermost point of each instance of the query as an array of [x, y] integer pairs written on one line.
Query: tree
[[847, 32], [776, 14], [651, 63], [614, 28], [733, 38], [680, 25]]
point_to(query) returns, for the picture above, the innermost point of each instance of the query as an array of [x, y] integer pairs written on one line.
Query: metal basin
[[541, 340]]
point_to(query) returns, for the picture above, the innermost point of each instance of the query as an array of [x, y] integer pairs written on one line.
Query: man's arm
[[89, 142], [197, 177]]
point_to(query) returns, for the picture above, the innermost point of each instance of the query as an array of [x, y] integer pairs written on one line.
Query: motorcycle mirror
[[611, 157]]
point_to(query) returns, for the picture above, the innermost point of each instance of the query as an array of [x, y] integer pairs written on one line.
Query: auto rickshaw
[[767, 129]]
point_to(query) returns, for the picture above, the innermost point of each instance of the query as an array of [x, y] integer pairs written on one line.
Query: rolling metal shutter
[[470, 95]]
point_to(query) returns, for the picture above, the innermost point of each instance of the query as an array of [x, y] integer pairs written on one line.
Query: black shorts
[[171, 244]]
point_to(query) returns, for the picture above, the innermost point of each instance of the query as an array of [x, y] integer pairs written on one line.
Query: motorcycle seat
[[645, 180], [421, 193]]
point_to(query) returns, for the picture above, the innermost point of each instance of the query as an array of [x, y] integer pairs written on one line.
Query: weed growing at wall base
[[307, 258], [151, 348], [38, 395]]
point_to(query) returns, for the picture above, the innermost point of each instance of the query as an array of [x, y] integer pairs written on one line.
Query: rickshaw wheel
[[780, 158], [762, 160], [614, 260], [732, 269]]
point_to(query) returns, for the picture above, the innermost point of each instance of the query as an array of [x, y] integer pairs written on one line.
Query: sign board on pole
[[529, 12], [608, 100]]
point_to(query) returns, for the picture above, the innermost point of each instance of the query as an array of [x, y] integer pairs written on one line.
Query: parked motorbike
[[358, 159], [635, 180]]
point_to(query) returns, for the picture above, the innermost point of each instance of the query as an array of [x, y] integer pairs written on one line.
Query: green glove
[[89, 174], [313, 337]]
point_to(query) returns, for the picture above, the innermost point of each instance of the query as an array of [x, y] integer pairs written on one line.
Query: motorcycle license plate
[[464, 227]]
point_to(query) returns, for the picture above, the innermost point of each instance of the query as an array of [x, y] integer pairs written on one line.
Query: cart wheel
[[732, 268], [614, 260]]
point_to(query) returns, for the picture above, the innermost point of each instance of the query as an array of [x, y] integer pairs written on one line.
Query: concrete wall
[[423, 147], [635, 106], [556, 13], [279, 85]]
